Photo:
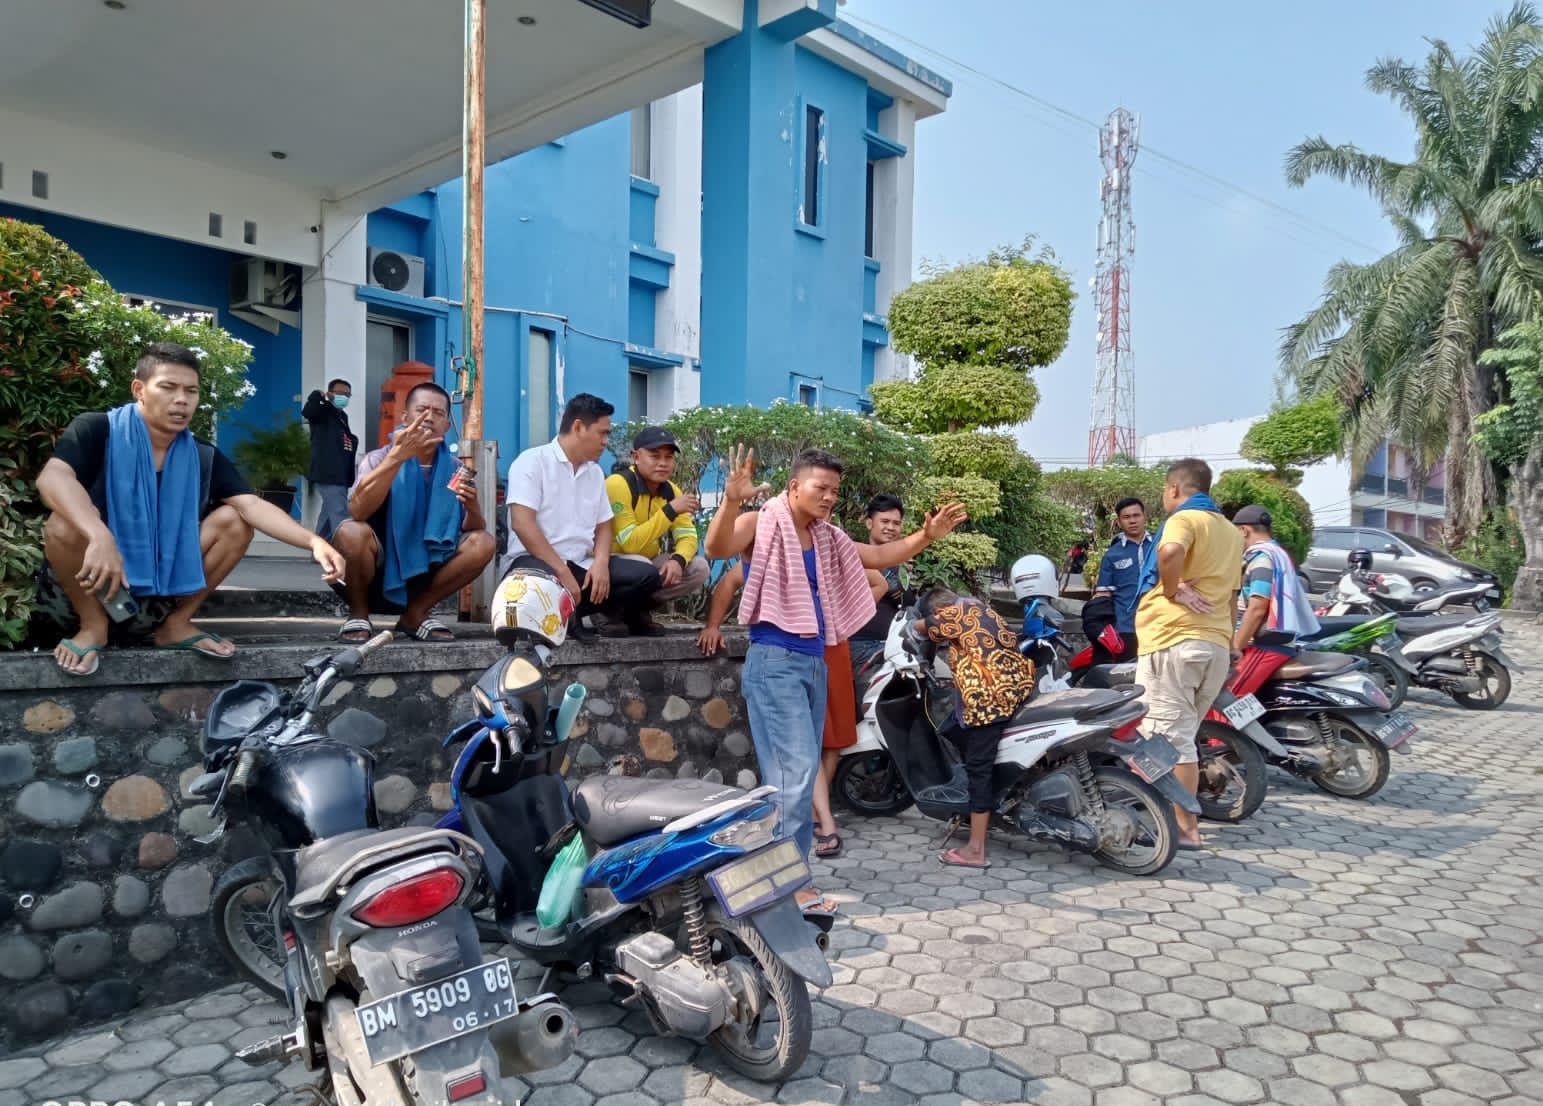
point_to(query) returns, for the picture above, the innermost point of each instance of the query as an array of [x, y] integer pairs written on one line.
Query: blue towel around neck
[[423, 526], [1200, 501], [155, 522]]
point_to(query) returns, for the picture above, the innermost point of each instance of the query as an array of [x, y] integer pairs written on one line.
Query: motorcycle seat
[[1076, 703], [610, 809], [1309, 666], [1110, 675], [1413, 625], [315, 865]]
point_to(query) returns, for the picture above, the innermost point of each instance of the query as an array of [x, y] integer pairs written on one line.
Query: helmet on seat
[[1360, 560], [1034, 576], [531, 605]]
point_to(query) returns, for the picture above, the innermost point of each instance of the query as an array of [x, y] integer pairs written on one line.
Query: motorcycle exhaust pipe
[[535, 1039]]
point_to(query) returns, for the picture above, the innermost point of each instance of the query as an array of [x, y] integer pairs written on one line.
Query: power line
[[1304, 221]]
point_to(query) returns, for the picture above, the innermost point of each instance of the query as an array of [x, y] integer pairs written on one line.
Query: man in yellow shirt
[[1184, 619], [647, 510]]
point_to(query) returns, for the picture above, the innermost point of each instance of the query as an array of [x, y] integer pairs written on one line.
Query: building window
[[637, 395], [868, 217], [808, 395], [643, 142], [814, 131]]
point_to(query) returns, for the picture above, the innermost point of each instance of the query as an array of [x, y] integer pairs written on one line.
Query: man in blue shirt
[[1119, 573]]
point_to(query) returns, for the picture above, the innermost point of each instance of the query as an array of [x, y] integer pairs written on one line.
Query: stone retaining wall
[[104, 890]]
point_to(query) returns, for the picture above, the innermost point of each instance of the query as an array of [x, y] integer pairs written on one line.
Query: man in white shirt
[[560, 518]]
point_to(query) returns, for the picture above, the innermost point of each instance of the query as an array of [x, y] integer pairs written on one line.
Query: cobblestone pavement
[[1327, 952]]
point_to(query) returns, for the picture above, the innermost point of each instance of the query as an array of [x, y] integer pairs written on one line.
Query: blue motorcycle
[[674, 892]]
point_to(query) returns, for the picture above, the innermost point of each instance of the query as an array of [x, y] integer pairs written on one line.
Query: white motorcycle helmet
[[531, 606], [1034, 576]]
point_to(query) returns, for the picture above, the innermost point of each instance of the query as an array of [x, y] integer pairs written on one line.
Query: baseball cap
[[1252, 515], [655, 437]]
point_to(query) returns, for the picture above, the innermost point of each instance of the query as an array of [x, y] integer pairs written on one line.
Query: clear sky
[[1227, 88]]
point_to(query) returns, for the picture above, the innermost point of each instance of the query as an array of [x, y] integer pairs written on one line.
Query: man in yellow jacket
[[646, 512]]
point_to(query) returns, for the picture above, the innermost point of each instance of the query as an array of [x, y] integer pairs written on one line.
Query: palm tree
[[1398, 340]]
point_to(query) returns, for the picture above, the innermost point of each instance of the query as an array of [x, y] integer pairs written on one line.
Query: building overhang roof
[[362, 97]]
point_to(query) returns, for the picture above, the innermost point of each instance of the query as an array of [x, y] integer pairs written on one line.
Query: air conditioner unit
[[396, 272], [257, 282]]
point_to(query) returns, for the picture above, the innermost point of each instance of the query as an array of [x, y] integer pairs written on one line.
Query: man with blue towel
[[147, 520], [414, 539]]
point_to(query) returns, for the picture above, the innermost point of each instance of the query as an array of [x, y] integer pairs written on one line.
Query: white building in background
[[1326, 486]]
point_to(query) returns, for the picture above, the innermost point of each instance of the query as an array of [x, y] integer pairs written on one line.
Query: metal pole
[[483, 456]]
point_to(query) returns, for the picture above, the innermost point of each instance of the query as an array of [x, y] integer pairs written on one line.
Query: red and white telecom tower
[[1113, 426]]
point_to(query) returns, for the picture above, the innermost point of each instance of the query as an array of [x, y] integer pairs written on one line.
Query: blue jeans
[[785, 695]]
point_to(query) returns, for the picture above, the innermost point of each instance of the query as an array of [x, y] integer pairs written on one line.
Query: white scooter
[[1071, 767], [1459, 657]]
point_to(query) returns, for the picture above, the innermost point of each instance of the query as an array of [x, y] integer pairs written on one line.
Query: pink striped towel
[[777, 590]]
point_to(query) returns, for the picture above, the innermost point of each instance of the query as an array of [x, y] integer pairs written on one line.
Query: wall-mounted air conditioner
[[396, 272]]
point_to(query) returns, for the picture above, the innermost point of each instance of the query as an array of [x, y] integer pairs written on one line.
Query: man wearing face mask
[[334, 450]]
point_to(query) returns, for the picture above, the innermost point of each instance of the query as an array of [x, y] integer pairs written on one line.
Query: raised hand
[[944, 520], [414, 438], [741, 486]]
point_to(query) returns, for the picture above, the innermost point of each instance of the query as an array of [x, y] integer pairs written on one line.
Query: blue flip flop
[[190, 645], [82, 652]]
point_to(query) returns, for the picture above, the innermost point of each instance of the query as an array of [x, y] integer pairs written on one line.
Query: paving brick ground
[[1367, 954]]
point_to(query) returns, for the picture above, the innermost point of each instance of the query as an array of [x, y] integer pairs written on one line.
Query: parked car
[[1424, 565]]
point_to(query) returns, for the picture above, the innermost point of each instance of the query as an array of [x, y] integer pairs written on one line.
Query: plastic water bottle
[[573, 699]]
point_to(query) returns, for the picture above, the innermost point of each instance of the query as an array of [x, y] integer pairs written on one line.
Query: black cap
[[655, 437], [1252, 515]]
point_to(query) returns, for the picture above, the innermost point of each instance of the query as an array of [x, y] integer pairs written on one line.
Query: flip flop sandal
[[92, 651], [426, 630], [817, 905], [190, 645], [352, 630], [952, 859], [827, 845]]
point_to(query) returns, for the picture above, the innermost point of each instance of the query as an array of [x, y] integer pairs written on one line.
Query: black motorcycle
[[363, 931]]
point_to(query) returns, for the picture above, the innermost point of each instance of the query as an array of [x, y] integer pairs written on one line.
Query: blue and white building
[[712, 209]]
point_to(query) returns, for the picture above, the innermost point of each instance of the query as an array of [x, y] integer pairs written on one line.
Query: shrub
[[1291, 516], [1497, 546]]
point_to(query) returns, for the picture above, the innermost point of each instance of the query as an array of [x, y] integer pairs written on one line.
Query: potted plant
[[273, 459]]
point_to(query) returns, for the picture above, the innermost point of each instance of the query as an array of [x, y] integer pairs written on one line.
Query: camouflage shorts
[[54, 605]]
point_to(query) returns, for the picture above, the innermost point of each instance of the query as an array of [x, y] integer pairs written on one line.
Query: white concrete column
[[332, 318], [677, 170], [894, 201]]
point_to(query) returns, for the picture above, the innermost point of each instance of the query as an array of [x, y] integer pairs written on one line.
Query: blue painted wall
[[558, 235], [780, 298], [161, 268]]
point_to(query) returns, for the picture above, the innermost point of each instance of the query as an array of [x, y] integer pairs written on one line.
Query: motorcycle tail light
[[412, 900], [465, 1088], [1128, 732]]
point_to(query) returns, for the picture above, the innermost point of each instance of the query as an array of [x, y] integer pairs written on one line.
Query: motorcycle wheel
[[1497, 686], [1388, 676], [1232, 774], [241, 910], [1360, 781], [761, 1050], [1156, 837], [869, 784]]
